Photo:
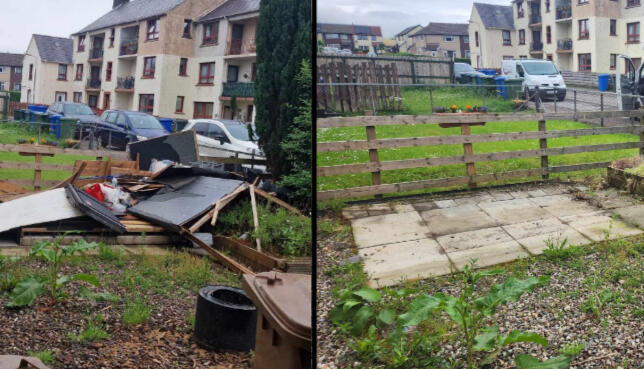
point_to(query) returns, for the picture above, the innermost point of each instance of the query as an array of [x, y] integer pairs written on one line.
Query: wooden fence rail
[[469, 158]]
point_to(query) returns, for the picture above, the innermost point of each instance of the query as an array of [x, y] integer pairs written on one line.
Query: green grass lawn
[[415, 101], [10, 134]]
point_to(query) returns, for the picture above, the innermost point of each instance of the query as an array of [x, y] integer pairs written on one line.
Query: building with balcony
[[47, 70], [10, 72], [452, 40], [352, 37], [404, 41]]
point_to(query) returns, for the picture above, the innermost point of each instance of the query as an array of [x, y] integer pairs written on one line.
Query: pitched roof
[[495, 16], [54, 49], [351, 29], [132, 11], [456, 29], [407, 30], [232, 7], [11, 60]]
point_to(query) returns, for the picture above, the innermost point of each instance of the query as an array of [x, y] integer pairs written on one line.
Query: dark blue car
[[120, 127]]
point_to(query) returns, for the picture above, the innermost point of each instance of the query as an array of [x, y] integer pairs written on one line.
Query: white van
[[536, 72]]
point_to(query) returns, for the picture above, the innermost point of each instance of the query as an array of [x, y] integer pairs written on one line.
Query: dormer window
[[153, 29], [81, 43], [210, 33]]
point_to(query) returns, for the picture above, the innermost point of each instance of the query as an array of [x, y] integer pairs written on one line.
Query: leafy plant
[[358, 309], [92, 332], [136, 311], [529, 362], [30, 288], [285, 233]]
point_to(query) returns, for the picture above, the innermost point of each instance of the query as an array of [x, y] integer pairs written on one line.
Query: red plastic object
[[96, 192]]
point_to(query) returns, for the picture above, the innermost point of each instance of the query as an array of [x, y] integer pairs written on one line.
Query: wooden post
[[601, 106], [37, 173], [394, 70], [543, 145], [641, 137], [413, 71], [373, 153], [255, 217], [468, 151]]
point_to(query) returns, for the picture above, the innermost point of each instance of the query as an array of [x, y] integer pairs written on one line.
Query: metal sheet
[[178, 147], [174, 209], [41, 207]]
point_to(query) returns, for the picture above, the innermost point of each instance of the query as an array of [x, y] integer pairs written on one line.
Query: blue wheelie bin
[[501, 87], [54, 128], [166, 123], [603, 81]]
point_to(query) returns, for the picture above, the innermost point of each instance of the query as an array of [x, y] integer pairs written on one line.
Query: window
[[62, 72], [206, 73], [520, 11], [362, 37], [18, 70], [345, 37], [448, 38], [632, 3], [583, 1], [203, 110], [106, 101], [583, 29], [613, 61], [183, 67], [374, 38], [633, 33], [179, 106], [112, 33], [521, 37], [17, 87], [506, 38], [31, 71], [120, 120], [92, 101], [548, 34], [332, 35], [187, 28], [613, 27], [3, 69], [476, 38], [1, 86], [466, 39], [233, 72], [108, 71], [547, 6], [78, 97], [79, 72], [153, 29], [549, 57], [60, 96], [211, 33], [584, 62], [146, 103], [81, 43], [149, 65]]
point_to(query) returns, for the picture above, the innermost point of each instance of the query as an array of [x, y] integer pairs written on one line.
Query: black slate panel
[[93, 208], [179, 147], [173, 209]]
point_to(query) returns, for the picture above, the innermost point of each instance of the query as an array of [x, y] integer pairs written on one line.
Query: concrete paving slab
[[519, 194], [390, 228], [379, 209], [501, 195], [475, 199], [424, 206], [551, 200], [488, 246], [554, 190], [570, 208], [391, 264], [443, 204], [632, 214], [402, 208], [353, 214], [457, 219], [534, 235], [599, 227], [513, 211], [537, 193]]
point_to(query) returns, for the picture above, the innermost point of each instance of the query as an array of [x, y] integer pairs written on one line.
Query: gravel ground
[[614, 340]]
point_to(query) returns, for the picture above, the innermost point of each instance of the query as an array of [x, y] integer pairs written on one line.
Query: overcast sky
[[19, 19], [395, 15]]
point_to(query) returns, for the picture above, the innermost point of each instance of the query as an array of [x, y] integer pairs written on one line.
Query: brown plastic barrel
[[283, 302]]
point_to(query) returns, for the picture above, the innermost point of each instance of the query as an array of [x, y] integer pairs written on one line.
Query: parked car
[[117, 128], [345, 52], [225, 138], [82, 112], [330, 50], [536, 72], [463, 70]]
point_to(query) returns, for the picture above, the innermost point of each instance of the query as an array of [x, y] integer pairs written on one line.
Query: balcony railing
[[130, 47], [96, 54], [535, 17], [632, 2], [565, 44], [93, 84], [536, 46], [564, 12], [125, 83], [239, 89], [240, 47]]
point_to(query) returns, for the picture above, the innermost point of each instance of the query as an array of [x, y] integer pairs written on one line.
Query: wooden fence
[[465, 121], [358, 98]]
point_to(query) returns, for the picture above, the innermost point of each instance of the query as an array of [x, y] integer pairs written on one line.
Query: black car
[[82, 112], [464, 73], [117, 128]]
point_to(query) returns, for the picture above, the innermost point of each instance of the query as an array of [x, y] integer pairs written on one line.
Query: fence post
[[413, 72], [537, 99], [555, 99], [574, 93], [468, 150], [37, 171], [543, 145], [601, 106], [431, 100], [373, 153], [641, 136]]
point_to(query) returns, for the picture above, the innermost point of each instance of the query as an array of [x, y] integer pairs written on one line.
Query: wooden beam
[[223, 259], [218, 205], [277, 201], [258, 259], [43, 149], [255, 216], [40, 166], [73, 177]]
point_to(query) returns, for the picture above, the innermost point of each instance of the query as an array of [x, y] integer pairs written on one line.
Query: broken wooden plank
[[255, 217], [225, 260], [261, 261], [277, 201], [73, 177]]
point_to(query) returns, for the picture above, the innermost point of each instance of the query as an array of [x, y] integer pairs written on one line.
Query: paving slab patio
[[426, 236]]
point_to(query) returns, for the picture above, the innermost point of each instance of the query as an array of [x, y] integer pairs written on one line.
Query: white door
[[61, 96]]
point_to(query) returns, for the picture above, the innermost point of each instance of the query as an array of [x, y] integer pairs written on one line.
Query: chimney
[[118, 3]]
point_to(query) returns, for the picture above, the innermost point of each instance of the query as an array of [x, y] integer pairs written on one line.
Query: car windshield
[[77, 109], [240, 131], [463, 68], [540, 68], [141, 121]]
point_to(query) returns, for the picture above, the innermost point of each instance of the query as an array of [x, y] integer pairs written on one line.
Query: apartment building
[[47, 70], [491, 35], [169, 58], [350, 36], [403, 38], [449, 40], [10, 72]]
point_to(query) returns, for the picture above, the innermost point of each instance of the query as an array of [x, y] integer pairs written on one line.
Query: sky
[[19, 19], [395, 15]]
